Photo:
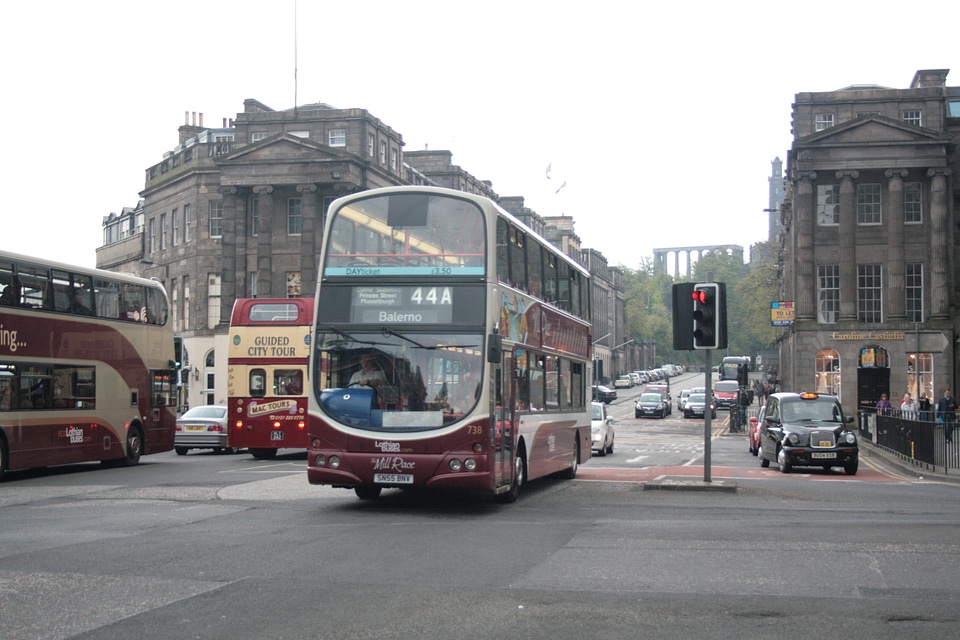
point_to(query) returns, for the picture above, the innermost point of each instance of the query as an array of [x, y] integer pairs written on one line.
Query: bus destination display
[[407, 305]]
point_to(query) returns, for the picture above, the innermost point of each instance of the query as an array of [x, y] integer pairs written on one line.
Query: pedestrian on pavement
[[883, 407], [947, 413], [908, 407], [925, 407]]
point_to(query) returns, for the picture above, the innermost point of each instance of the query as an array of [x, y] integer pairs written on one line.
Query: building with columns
[[869, 238], [237, 211], [684, 268]]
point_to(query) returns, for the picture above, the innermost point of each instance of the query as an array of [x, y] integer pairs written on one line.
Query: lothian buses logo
[[277, 406]]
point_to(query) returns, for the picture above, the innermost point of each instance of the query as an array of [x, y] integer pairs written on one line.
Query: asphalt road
[[221, 546]]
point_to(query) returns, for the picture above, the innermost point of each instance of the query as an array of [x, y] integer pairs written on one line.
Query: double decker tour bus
[[452, 348], [266, 374], [86, 365]]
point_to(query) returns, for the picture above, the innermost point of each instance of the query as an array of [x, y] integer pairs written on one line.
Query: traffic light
[[177, 352], [709, 315]]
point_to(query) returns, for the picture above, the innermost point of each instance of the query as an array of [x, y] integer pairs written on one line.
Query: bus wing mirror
[[494, 348]]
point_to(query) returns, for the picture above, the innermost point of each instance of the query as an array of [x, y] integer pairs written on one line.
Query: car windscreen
[[650, 397], [807, 410]]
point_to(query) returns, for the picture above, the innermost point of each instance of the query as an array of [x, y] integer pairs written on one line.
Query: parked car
[[753, 431], [604, 394], [601, 429], [635, 377], [644, 378], [682, 399], [623, 382], [202, 427], [696, 406], [651, 403], [807, 430]]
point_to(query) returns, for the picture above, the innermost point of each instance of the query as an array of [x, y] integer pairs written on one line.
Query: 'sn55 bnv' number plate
[[393, 478]]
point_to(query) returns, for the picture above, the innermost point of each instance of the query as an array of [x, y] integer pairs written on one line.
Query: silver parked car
[[202, 428]]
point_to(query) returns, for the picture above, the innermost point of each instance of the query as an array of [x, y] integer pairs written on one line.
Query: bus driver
[[367, 375]]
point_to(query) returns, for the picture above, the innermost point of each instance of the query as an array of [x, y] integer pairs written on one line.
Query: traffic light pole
[[707, 411]]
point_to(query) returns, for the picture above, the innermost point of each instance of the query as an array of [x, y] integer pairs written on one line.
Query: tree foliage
[[648, 303]]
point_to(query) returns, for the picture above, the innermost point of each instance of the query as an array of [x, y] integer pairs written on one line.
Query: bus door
[[504, 420]]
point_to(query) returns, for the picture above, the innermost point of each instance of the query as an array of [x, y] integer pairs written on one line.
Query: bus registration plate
[[276, 435], [393, 478]]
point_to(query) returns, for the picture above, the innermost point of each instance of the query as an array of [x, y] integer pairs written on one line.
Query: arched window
[[828, 372], [209, 377]]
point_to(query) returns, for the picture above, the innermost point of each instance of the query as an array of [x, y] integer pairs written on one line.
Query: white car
[[601, 429], [623, 382]]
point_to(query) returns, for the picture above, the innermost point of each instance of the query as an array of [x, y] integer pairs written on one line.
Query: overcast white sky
[[662, 121]]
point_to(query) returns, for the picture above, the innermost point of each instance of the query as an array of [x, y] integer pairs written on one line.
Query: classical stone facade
[[238, 211], [869, 234]]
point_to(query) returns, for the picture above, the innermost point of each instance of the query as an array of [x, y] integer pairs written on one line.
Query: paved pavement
[[905, 466]]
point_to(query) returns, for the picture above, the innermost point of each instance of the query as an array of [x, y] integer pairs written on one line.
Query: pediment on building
[[871, 130], [281, 147]]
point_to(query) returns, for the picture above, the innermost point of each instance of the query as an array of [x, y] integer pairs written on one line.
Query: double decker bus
[[86, 365], [452, 348], [266, 374]]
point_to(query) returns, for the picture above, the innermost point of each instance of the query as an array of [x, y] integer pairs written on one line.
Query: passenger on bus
[[11, 294], [77, 306], [6, 397]]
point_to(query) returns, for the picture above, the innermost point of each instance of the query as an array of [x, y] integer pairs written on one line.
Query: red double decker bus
[[269, 345], [452, 348], [86, 365]]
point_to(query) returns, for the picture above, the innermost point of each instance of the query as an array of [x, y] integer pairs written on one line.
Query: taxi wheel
[[785, 467]]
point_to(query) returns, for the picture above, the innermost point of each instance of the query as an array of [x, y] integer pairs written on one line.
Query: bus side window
[[288, 382]]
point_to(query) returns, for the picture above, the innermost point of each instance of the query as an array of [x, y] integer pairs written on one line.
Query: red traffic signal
[[709, 317]]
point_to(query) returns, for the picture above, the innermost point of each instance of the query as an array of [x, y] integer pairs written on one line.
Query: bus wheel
[[519, 477], [134, 446], [367, 493], [263, 454], [571, 472]]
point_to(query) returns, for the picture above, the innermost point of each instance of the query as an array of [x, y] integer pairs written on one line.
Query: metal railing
[[916, 436]]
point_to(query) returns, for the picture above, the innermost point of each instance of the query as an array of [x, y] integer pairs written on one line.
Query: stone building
[[237, 211], [870, 234]]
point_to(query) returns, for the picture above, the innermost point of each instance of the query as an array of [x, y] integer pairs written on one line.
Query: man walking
[[947, 413]]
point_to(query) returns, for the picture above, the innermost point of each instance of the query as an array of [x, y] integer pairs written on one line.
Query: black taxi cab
[[807, 430]]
